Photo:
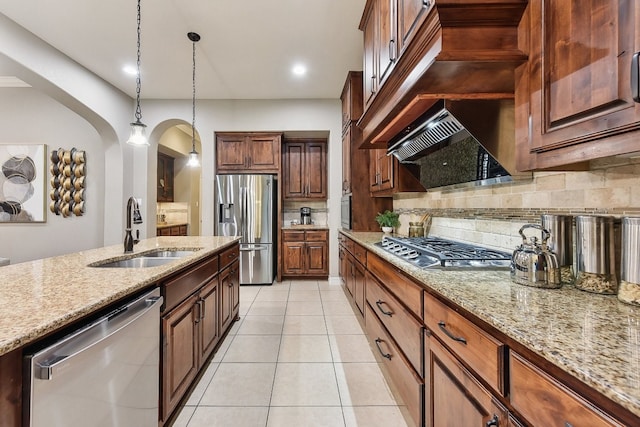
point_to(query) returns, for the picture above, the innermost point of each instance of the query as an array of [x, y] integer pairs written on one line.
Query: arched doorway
[[178, 185]]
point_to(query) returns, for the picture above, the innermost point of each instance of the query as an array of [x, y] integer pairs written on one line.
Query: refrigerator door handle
[[248, 248]]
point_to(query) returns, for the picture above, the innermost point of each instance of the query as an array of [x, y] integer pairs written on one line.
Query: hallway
[[297, 357]]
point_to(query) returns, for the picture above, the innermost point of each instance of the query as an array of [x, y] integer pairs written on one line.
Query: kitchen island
[[42, 297], [592, 338]]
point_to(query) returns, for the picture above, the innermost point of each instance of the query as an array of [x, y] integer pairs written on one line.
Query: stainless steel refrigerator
[[246, 207]]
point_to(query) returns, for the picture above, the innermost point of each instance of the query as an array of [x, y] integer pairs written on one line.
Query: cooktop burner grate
[[428, 252]]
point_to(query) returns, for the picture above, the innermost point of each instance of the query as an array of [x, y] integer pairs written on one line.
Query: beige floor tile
[[223, 348], [240, 384], [305, 384], [285, 284], [337, 308], [236, 325], [296, 295], [333, 295], [304, 285], [261, 325], [304, 325], [298, 416], [272, 295], [248, 293], [329, 286], [184, 416], [305, 348], [244, 307], [202, 385], [373, 416], [267, 308], [343, 325], [304, 308], [362, 384], [253, 348], [206, 416], [351, 348]]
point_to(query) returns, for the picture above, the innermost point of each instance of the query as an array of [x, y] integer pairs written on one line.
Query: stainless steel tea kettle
[[533, 264]]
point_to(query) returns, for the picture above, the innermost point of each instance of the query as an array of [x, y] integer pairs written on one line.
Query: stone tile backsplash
[[492, 216]]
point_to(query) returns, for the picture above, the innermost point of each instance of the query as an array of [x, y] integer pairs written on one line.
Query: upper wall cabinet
[[419, 51], [238, 152], [575, 90], [305, 169]]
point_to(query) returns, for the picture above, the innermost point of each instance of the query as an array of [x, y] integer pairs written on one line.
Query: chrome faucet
[[129, 241]]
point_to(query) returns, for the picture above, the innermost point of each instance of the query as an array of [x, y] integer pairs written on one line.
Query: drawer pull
[[444, 329], [493, 422], [386, 313], [387, 355]]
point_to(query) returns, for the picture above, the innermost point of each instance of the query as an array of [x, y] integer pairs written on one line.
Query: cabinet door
[[229, 278], [317, 258], [231, 153], [293, 255], [209, 318], [235, 288], [180, 362], [359, 286], [293, 171], [454, 397], [580, 63], [346, 161], [316, 170], [387, 45], [411, 14], [264, 153], [165, 178], [381, 175], [369, 76]]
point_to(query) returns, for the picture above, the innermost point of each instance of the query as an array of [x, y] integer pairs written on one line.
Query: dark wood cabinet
[[305, 169], [369, 27], [388, 176], [454, 397], [229, 293], [411, 14], [574, 94], [248, 152], [305, 253], [174, 230], [165, 178]]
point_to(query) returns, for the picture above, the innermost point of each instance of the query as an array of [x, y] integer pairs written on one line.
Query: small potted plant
[[388, 220]]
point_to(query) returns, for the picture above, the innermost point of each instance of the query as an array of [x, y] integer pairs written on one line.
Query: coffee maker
[[305, 215]]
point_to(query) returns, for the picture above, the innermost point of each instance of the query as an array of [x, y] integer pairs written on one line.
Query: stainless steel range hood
[[487, 129]]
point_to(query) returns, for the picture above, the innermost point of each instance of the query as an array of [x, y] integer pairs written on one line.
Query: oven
[[345, 212]]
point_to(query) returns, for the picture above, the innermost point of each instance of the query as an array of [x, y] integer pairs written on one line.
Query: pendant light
[[194, 161], [138, 134]]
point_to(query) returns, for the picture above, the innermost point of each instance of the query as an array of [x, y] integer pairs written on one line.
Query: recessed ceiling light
[[299, 70], [130, 69]]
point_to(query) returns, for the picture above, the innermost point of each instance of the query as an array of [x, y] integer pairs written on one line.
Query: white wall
[[256, 115], [29, 117]]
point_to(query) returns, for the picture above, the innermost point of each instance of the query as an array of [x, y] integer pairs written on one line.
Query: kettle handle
[[545, 232]]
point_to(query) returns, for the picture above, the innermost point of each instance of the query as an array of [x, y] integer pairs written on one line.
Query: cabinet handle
[[202, 308], [387, 355], [426, 3], [386, 313], [373, 84], [199, 316], [493, 422], [392, 50], [635, 77], [444, 329]]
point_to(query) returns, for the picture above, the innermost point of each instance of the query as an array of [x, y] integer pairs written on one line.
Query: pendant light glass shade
[[194, 161], [138, 134]]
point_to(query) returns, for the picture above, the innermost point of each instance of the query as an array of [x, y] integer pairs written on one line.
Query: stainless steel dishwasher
[[103, 374]]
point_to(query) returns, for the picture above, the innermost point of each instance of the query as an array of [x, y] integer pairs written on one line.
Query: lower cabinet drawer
[[405, 329], [480, 351], [543, 401], [395, 280], [228, 256], [407, 384]]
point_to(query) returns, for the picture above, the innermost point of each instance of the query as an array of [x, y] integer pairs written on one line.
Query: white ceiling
[[247, 48]]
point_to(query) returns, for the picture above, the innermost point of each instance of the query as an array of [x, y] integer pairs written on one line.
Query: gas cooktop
[[434, 252]]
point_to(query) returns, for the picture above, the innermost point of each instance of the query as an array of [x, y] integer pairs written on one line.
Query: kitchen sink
[[146, 259]]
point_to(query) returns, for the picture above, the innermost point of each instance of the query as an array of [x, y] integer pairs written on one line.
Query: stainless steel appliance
[[305, 215], [534, 264], [246, 207], [345, 212], [434, 252], [103, 374]]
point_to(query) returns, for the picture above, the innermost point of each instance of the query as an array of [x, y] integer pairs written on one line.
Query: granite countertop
[[170, 224], [39, 297], [593, 337]]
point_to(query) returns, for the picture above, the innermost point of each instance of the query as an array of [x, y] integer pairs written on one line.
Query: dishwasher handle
[[92, 335]]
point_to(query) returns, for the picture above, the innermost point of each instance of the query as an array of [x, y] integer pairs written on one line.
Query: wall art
[[68, 168], [22, 183]]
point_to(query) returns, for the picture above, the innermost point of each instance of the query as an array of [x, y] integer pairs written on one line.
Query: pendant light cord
[[138, 114], [193, 122]]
